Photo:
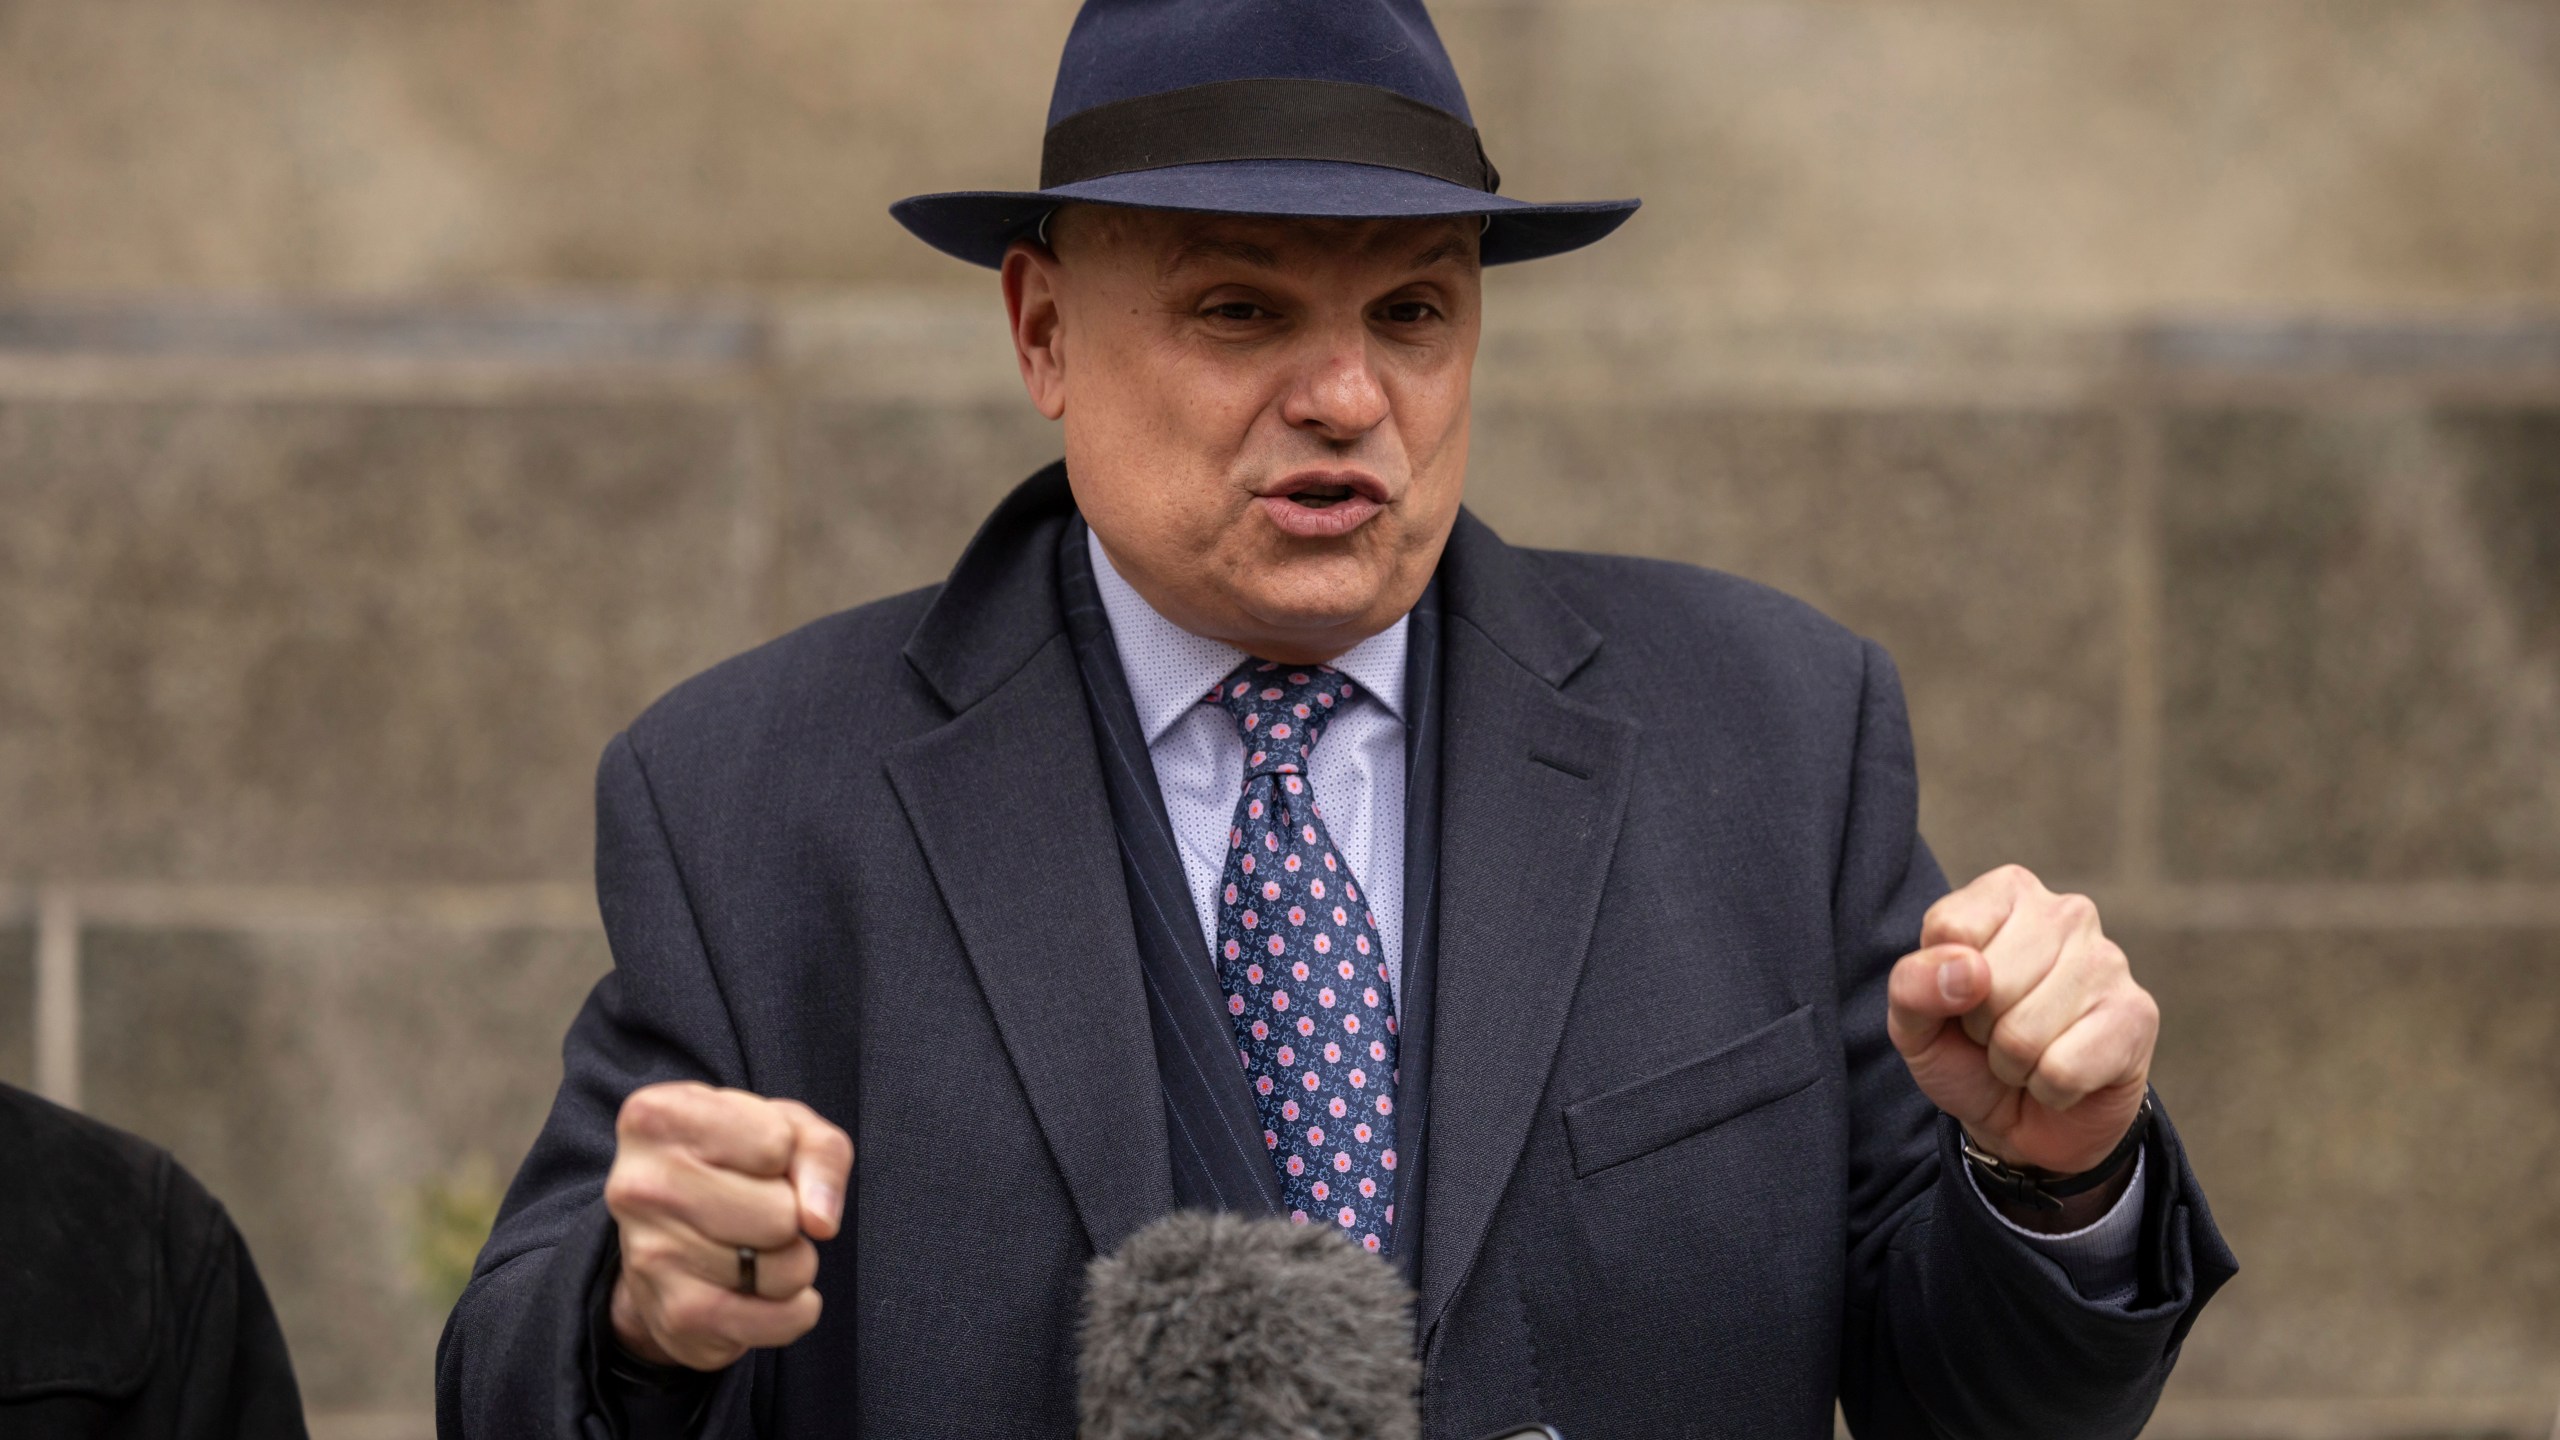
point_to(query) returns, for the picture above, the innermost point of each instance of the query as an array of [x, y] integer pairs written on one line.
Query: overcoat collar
[[1008, 805], [1000, 604], [1534, 784], [1495, 589]]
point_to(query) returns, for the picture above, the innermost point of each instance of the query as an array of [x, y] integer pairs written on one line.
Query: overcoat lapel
[[1212, 1123], [1007, 802], [1423, 705], [1533, 787]]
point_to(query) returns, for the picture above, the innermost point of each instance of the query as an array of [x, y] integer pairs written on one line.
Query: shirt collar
[[1169, 669]]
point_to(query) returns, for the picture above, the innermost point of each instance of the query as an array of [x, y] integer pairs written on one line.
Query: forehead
[[1174, 244]]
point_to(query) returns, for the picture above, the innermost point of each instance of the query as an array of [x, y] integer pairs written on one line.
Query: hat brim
[[977, 225]]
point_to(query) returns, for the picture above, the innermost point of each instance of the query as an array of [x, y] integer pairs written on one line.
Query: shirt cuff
[[2099, 1257]]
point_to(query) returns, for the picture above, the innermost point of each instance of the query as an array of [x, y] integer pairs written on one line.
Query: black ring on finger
[[747, 1270]]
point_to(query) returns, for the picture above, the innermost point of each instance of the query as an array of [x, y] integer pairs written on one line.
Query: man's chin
[[1318, 598], [1318, 626]]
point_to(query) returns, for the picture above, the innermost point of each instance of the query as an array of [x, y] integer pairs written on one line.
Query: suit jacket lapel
[[1007, 802], [1424, 695], [1214, 1126], [1533, 786]]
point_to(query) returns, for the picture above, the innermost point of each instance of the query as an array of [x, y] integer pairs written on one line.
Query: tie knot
[[1281, 709]]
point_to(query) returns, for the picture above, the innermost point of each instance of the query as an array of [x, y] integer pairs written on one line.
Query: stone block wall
[[1797, 156], [394, 399], [2251, 634]]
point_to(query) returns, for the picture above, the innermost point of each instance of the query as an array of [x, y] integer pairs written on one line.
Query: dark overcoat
[[1676, 1180], [129, 1306]]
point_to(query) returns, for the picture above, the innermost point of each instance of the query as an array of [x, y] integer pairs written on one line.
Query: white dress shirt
[[1357, 769]]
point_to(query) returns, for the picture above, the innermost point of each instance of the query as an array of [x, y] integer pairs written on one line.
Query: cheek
[[1152, 438], [1143, 384], [1434, 421], [1205, 410], [1441, 431]]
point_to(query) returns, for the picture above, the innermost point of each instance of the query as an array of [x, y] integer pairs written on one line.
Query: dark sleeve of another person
[[1955, 1326], [129, 1307], [526, 1354], [234, 1378]]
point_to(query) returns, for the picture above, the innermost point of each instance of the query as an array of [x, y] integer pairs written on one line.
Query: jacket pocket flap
[[1769, 1064]]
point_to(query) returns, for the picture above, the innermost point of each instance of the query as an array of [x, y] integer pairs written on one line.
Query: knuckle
[[711, 1354], [775, 1217], [648, 1106], [2016, 877], [637, 1119], [779, 1322], [695, 1313], [2146, 1010], [800, 1316], [767, 1131], [735, 1105], [660, 1111], [2002, 1068], [2070, 1076], [637, 1189], [702, 1313], [2016, 1048], [1977, 1025], [833, 1145], [647, 1249], [803, 1265], [2075, 909]]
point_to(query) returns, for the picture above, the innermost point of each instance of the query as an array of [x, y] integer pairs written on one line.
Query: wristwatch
[[2042, 1189]]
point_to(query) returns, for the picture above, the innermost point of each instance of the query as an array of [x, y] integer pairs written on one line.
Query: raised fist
[[698, 1176], [2020, 1018]]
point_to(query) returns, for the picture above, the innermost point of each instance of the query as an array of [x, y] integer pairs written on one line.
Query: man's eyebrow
[[1452, 248], [1211, 247]]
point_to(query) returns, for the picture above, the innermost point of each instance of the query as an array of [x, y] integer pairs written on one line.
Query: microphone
[[1207, 1325]]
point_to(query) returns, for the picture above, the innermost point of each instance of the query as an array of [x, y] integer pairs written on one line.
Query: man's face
[[1266, 420]]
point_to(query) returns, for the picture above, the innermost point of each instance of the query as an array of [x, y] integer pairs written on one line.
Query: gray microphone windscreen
[[1213, 1325]]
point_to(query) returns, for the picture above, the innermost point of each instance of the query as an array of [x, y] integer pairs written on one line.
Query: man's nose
[[1337, 394]]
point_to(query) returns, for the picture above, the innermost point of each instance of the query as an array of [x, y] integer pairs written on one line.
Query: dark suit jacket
[[1677, 1182]]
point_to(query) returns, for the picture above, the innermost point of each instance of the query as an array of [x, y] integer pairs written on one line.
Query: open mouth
[[1316, 505], [1321, 497]]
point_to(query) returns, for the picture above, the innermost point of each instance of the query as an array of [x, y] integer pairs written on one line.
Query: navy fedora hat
[[1343, 109]]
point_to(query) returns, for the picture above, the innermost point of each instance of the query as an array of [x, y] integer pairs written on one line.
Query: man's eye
[[1237, 310], [1409, 312]]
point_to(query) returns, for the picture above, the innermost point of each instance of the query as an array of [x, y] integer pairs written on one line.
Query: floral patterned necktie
[[1304, 973]]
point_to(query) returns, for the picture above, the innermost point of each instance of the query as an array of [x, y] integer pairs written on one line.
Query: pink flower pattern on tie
[[1315, 1019]]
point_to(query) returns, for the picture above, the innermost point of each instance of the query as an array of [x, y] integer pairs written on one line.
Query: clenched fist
[[2021, 1019], [698, 1173]]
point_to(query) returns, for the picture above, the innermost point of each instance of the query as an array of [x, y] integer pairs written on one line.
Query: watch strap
[[2040, 1189]]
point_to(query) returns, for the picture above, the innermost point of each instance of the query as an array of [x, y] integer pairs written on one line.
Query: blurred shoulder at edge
[[129, 1307]]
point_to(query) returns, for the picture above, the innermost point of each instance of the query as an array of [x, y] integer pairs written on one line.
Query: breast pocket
[[1763, 1067]]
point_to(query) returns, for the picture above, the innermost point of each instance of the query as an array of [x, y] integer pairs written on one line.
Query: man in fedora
[[1245, 826]]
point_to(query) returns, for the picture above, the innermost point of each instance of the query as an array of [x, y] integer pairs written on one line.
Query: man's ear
[[1031, 282]]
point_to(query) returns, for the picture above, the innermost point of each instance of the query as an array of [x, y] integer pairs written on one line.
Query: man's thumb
[[821, 1163], [1930, 987]]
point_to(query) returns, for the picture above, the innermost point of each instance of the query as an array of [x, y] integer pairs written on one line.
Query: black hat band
[[1270, 119]]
